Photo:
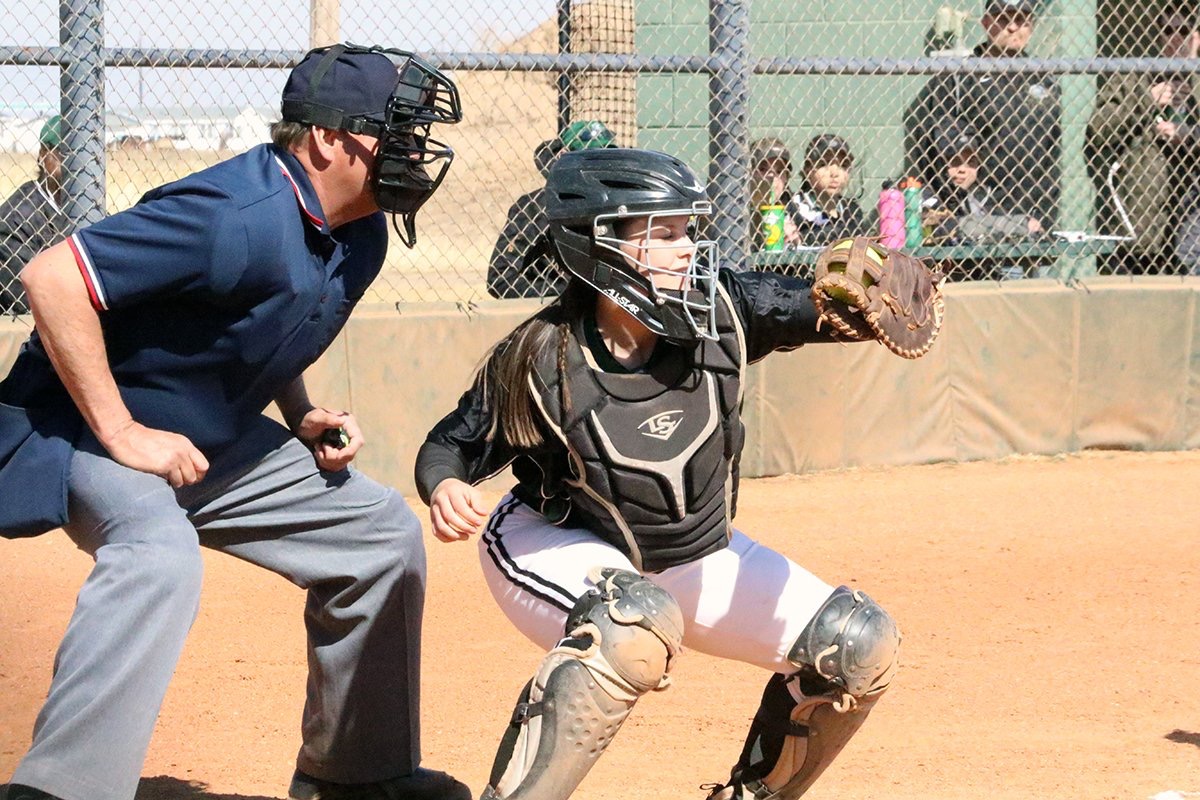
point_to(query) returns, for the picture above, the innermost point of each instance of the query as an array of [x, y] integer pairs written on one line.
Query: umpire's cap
[[355, 84]]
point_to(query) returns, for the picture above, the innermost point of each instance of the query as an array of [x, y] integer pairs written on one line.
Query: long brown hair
[[505, 370]]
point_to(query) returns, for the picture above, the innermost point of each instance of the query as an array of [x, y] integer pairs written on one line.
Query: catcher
[[618, 407]]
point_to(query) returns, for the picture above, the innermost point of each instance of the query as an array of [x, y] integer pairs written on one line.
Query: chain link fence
[[1000, 138]]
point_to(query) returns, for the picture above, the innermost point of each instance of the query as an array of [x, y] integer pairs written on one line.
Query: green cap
[[587, 135], [51, 135]]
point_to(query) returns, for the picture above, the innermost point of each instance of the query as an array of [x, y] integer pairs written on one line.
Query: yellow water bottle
[[772, 226]]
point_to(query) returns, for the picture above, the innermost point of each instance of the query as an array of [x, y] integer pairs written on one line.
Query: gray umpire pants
[[353, 544]]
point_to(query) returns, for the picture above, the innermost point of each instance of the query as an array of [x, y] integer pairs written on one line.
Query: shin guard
[[619, 645]]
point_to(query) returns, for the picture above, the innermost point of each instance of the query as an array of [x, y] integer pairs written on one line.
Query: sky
[[421, 25]]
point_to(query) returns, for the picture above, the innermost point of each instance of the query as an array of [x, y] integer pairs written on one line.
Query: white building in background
[[19, 134], [208, 129]]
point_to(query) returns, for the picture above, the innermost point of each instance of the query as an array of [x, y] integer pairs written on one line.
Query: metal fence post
[[1077, 203], [728, 125], [81, 34], [563, 82]]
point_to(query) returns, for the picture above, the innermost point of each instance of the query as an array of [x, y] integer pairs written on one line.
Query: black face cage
[[685, 314], [424, 93], [409, 165], [402, 179]]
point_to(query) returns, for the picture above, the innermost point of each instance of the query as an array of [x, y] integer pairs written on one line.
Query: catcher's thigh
[[619, 644], [536, 571], [847, 656]]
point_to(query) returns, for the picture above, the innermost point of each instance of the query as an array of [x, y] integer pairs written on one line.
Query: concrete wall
[[1024, 367]]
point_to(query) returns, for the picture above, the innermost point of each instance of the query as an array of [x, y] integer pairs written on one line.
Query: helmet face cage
[[423, 95], [409, 165], [694, 302]]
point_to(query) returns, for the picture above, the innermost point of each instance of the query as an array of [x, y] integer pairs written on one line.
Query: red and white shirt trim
[[90, 277], [313, 218]]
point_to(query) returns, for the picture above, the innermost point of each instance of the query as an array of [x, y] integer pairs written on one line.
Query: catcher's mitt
[[868, 291]]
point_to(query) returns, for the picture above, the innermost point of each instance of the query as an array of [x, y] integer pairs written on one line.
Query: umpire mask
[[392, 95]]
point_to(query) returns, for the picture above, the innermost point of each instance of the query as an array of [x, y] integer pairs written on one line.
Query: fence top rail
[[620, 62], [285, 59], [859, 65]]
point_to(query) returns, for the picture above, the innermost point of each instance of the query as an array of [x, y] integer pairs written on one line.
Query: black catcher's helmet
[[589, 191], [392, 95]]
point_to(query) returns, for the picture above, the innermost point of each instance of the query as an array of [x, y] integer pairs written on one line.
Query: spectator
[[821, 211], [1017, 117], [962, 208], [518, 267], [769, 179], [1144, 148], [31, 219]]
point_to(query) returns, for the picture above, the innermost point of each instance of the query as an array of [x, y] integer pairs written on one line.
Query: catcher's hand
[[868, 291]]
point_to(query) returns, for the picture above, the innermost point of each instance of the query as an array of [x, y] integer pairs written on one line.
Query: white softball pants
[[746, 602]]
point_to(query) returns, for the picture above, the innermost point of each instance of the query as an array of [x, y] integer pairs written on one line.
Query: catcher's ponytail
[[505, 370]]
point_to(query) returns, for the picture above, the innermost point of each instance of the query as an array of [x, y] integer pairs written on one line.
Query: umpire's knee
[[399, 541], [165, 575]]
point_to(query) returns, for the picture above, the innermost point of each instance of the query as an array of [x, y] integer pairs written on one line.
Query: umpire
[[133, 418]]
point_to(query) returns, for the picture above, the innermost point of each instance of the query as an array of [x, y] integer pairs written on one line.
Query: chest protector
[[654, 454]]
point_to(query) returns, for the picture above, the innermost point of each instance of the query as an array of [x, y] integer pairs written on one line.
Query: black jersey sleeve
[[776, 311], [459, 446]]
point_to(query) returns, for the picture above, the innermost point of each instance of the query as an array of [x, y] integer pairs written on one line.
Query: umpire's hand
[[333, 453], [169, 455]]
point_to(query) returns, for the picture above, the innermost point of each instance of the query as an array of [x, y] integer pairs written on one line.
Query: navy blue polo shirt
[[214, 293]]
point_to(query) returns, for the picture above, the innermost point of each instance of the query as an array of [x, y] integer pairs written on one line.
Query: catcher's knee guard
[[850, 642], [620, 640], [847, 656]]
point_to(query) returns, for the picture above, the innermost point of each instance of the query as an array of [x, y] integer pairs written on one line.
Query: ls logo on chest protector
[[662, 425]]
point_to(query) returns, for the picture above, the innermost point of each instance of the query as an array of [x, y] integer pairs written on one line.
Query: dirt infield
[[1049, 608]]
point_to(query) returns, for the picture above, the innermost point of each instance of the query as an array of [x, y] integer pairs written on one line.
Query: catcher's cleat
[[719, 791], [422, 784]]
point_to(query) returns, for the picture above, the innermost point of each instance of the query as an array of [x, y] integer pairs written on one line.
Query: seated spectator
[[1144, 155], [31, 219], [772, 171], [821, 211], [518, 267], [961, 207], [769, 178], [769, 185], [1017, 117]]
